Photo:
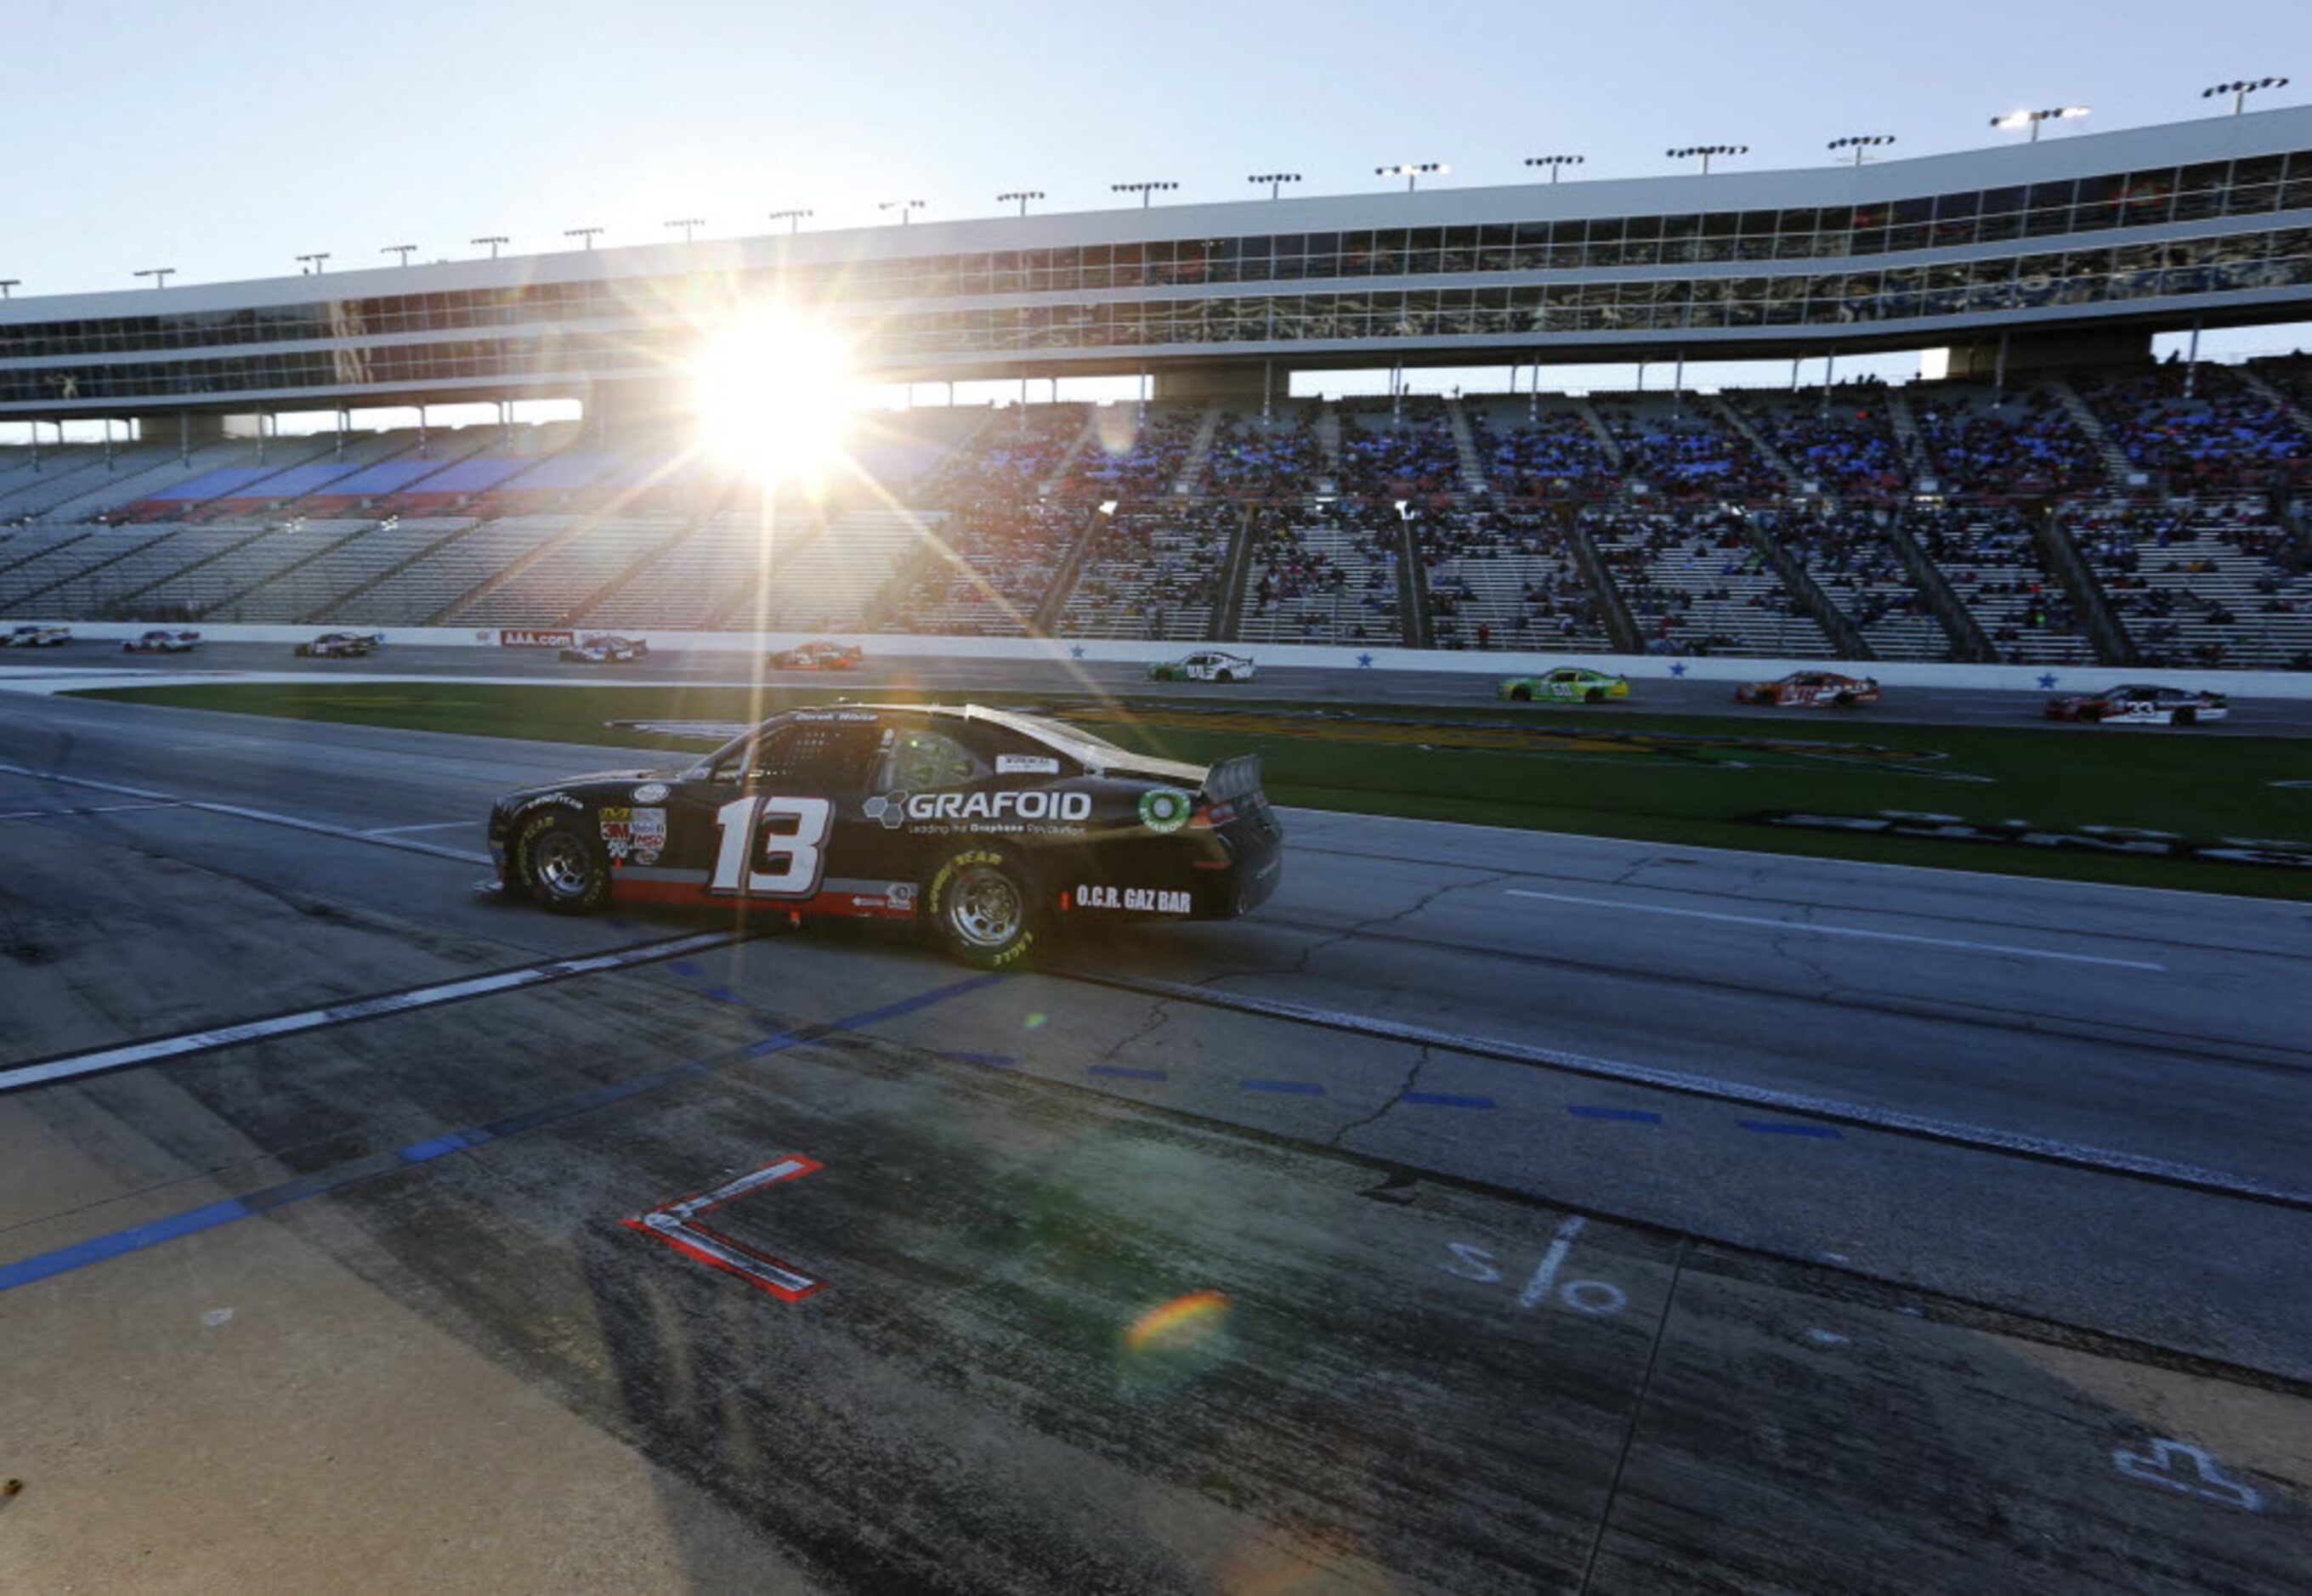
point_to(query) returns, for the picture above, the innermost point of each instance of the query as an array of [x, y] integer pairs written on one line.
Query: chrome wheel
[[983, 908], [562, 866]]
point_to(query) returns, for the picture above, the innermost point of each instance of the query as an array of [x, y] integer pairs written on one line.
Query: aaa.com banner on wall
[[527, 637]]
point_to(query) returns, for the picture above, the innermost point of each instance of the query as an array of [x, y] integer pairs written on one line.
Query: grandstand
[[2058, 498]]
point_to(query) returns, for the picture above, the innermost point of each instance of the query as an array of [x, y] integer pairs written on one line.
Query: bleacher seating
[[1323, 577], [304, 593], [1153, 573], [2174, 486]]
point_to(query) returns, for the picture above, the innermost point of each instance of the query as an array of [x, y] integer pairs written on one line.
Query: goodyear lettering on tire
[[526, 838], [936, 907]]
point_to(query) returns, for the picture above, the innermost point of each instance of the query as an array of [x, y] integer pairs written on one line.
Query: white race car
[[37, 637], [162, 642], [2140, 704], [1206, 665]]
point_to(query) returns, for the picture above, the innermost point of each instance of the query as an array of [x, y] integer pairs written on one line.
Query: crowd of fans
[[2004, 447], [1842, 439], [1400, 452], [1320, 580], [1277, 458], [2199, 431], [1153, 573], [1550, 455]]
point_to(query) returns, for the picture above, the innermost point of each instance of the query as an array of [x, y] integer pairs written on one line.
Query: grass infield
[[1703, 780]]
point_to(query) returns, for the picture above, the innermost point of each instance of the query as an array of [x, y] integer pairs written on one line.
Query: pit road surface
[[1500, 1260]]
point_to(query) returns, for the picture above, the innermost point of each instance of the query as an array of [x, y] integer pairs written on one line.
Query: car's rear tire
[[1224, 677], [1595, 696], [563, 868], [981, 907], [2185, 717]]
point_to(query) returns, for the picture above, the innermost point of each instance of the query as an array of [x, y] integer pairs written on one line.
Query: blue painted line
[[1589, 1112], [135, 1238], [993, 1060], [722, 994], [1783, 1128], [99, 1248], [1305, 1088], [1129, 1073], [684, 967], [1446, 1099]]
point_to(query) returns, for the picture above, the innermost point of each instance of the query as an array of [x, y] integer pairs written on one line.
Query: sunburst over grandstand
[[728, 458]]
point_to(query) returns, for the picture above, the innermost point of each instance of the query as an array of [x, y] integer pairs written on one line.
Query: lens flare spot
[[1179, 1325]]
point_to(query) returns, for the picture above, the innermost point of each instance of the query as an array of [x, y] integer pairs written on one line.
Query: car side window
[[925, 759], [813, 757]]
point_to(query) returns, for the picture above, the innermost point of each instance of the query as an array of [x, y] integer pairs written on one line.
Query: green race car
[[1568, 684]]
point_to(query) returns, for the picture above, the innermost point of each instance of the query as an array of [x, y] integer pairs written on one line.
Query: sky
[[224, 140]]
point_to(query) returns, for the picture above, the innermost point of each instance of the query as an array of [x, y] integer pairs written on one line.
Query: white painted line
[[1809, 929], [464, 855], [431, 825], [93, 809], [158, 1048], [1545, 1276], [1983, 1137]]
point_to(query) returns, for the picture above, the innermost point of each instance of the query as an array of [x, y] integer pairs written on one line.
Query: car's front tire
[[564, 869], [982, 909], [1520, 695]]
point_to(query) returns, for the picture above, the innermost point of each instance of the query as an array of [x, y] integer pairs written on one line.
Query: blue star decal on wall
[[1077, 652], [1679, 669], [2048, 680], [1364, 662]]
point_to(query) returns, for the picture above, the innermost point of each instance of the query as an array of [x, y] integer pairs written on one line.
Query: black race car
[[606, 647], [988, 826], [342, 645]]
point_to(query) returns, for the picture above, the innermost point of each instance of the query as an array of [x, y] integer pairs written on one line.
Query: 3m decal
[[1026, 764], [1165, 809], [617, 831]]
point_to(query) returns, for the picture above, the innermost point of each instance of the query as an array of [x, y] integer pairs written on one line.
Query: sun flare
[[774, 395]]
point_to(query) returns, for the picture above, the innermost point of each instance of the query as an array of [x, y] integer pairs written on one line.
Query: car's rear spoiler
[[1232, 778]]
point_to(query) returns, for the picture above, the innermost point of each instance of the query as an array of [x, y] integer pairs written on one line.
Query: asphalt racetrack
[[1492, 1211], [670, 665]]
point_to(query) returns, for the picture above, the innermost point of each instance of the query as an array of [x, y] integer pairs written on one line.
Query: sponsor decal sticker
[[1165, 809], [937, 812], [1026, 764], [562, 798], [526, 637], [649, 834], [651, 792], [1138, 900]]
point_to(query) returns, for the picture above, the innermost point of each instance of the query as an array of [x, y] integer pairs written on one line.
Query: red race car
[[1811, 690], [2140, 704], [817, 655]]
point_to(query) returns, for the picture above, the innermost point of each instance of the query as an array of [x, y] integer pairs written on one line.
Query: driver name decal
[[1138, 900]]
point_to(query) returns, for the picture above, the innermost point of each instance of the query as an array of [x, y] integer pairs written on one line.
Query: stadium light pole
[[1146, 191], [403, 250], [2240, 91], [8, 282], [906, 207], [1858, 142], [1275, 180], [1555, 164], [586, 233], [1413, 171], [312, 263], [160, 275], [2032, 119], [1023, 195], [795, 219], [690, 225], [1705, 151], [493, 239]]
